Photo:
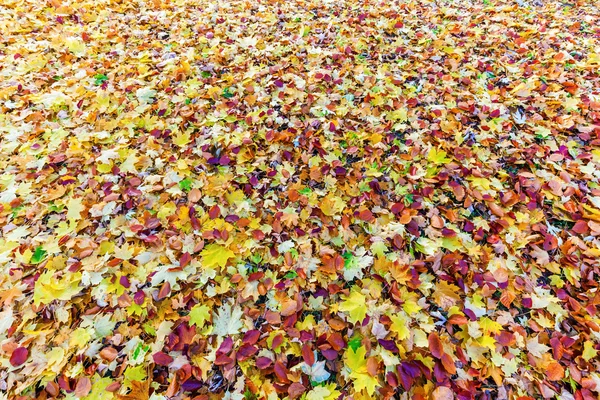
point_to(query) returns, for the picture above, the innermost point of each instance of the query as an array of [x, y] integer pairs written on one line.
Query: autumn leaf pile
[[205, 199]]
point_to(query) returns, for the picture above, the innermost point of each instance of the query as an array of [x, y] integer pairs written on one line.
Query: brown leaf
[[109, 353], [372, 366]]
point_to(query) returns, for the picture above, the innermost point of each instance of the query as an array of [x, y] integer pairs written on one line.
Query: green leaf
[[290, 275], [227, 93], [38, 255], [355, 342], [99, 79], [186, 184]]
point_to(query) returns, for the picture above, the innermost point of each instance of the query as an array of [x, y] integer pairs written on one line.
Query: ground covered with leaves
[[299, 199]]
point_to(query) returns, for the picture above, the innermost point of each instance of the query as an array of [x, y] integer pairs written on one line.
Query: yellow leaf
[[398, 115], [400, 323], [446, 295], [355, 305], [76, 46], [487, 341], [356, 361], [437, 156], [199, 314], [327, 392], [75, 207], [48, 288], [375, 138], [215, 255], [489, 326], [411, 307], [182, 139], [79, 337], [331, 205]]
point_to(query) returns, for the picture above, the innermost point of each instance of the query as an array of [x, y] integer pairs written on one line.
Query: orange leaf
[[448, 363], [555, 371], [435, 345]]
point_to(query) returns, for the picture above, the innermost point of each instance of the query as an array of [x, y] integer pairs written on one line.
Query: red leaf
[[214, 212], [281, 371], [336, 341], [164, 291], [580, 227], [263, 362], [226, 346], [161, 358], [366, 215], [18, 356], [185, 259], [277, 340], [223, 359], [308, 355], [550, 242], [295, 390], [251, 337], [246, 351]]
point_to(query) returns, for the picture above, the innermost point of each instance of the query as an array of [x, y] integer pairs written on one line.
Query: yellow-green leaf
[[588, 351], [355, 306], [199, 315], [437, 156], [356, 362], [215, 255], [399, 325]]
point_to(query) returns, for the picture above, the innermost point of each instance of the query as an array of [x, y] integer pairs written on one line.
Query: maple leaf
[[145, 94], [536, 348], [316, 372], [400, 325], [355, 305], [47, 288], [75, 207], [355, 264], [76, 46], [356, 363], [227, 320], [438, 156], [199, 314], [215, 255], [326, 392], [331, 205], [79, 337]]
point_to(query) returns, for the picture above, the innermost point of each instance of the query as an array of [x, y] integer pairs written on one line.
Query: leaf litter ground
[[299, 199]]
